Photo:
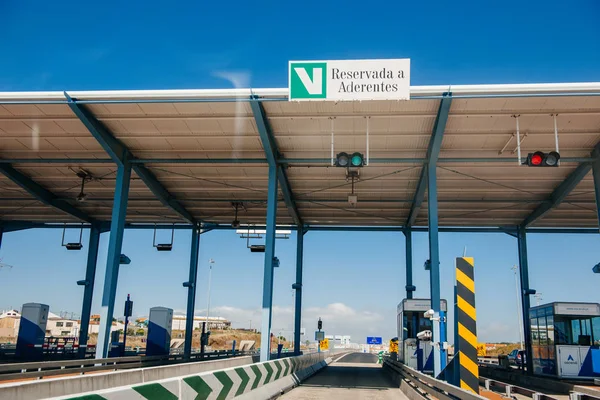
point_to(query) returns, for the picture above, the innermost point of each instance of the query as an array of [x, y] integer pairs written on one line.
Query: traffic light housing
[[320, 324], [541, 159], [346, 160]]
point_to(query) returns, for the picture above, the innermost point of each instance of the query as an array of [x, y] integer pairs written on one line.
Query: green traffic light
[[357, 160]]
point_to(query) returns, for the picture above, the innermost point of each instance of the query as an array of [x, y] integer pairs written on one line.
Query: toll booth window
[[424, 324], [542, 330], [408, 328], [596, 330], [562, 330], [550, 328], [534, 331]]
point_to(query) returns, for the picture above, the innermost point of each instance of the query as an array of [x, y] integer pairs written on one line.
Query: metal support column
[[439, 359], [525, 293], [1, 235], [115, 243], [409, 272], [88, 290], [191, 299], [596, 173], [265, 332], [298, 287]]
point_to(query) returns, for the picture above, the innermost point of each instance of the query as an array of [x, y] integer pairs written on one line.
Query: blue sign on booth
[[374, 340]]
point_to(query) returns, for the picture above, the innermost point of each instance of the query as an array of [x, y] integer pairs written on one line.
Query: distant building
[[94, 326], [339, 340], [59, 326], [216, 323], [9, 323]]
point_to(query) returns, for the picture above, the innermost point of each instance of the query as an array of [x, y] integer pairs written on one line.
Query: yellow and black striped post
[[467, 324]]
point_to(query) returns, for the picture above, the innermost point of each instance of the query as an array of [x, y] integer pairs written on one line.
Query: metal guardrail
[[510, 390], [427, 384], [488, 360], [52, 368]]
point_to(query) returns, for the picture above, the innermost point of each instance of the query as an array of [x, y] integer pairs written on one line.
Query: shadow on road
[[350, 377]]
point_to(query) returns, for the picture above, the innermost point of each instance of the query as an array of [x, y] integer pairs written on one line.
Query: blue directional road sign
[[374, 340]]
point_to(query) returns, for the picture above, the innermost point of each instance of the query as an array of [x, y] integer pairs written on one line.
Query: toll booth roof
[[568, 308], [194, 152]]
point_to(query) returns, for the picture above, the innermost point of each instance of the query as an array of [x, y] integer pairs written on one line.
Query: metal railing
[[16, 371], [429, 385], [509, 390]]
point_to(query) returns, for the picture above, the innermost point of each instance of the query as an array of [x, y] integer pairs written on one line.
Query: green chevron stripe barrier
[[215, 385], [279, 369], [269, 369], [245, 379]]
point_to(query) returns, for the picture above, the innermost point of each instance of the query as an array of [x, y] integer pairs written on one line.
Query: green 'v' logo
[[308, 80]]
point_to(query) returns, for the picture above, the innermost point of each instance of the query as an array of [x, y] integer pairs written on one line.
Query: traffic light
[[320, 324], [541, 159], [346, 160]]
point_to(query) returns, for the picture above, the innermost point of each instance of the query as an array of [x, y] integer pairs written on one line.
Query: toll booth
[[32, 331], [566, 339], [160, 323], [415, 353]]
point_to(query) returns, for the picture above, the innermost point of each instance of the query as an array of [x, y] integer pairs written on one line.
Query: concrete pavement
[[353, 376]]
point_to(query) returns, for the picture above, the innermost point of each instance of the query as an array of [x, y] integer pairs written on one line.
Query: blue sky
[[353, 280]]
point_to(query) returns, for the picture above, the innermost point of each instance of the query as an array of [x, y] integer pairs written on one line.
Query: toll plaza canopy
[[197, 155]]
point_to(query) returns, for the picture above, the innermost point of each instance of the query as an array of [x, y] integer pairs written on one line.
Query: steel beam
[[326, 162], [272, 153], [1, 235], [115, 244], [298, 287], [410, 288], [88, 288], [42, 194], [559, 194], [121, 155], [267, 303], [191, 297], [596, 172], [434, 259], [525, 293], [433, 153]]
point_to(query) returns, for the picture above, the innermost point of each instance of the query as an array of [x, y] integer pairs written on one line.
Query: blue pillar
[[88, 288], [267, 303], [191, 299], [298, 287], [596, 173], [115, 243], [409, 272], [525, 293], [434, 274]]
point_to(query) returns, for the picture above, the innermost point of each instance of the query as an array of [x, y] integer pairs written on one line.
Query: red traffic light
[[537, 158], [541, 159]]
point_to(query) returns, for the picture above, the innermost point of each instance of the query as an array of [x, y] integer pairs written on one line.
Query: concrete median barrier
[[253, 381]]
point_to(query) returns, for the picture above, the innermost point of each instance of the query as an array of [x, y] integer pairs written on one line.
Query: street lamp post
[[210, 264]]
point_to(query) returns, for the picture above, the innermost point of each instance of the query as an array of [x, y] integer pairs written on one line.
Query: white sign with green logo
[[350, 80]]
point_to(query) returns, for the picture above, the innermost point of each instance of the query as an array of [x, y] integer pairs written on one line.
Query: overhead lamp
[[75, 245], [596, 268], [257, 248], [124, 260], [164, 246]]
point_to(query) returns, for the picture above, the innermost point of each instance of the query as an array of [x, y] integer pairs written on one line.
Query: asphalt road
[[354, 376]]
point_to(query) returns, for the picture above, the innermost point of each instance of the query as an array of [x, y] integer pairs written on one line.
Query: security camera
[[424, 336], [235, 224], [428, 314]]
